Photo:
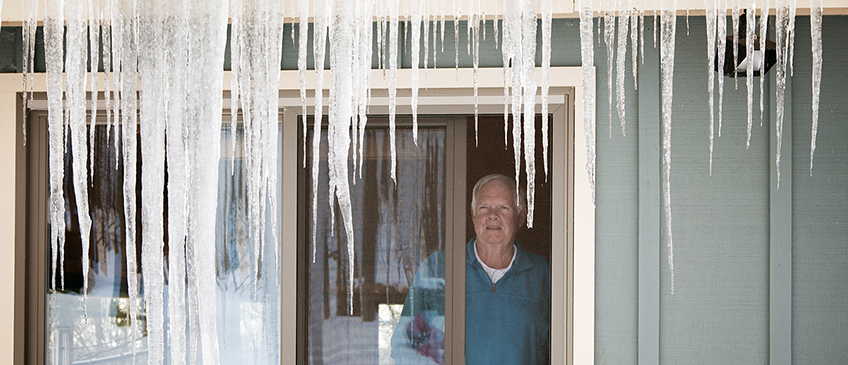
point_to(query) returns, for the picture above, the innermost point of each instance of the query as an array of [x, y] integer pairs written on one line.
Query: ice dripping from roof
[[711, 55], [815, 30], [750, 22], [587, 54], [75, 75], [667, 38], [54, 20], [621, 57]]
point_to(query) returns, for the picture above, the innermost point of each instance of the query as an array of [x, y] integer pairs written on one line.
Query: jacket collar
[[522, 261]]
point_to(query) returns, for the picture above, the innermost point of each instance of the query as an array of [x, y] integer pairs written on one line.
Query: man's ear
[[522, 218]]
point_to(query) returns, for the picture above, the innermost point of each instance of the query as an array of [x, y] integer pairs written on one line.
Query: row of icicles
[[171, 53]]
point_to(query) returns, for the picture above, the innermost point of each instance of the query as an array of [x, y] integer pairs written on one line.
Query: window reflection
[[99, 330], [396, 226]]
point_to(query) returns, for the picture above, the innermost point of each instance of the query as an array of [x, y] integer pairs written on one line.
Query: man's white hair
[[521, 198]]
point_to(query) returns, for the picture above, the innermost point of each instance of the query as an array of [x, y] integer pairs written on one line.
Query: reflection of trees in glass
[[248, 319], [396, 227]]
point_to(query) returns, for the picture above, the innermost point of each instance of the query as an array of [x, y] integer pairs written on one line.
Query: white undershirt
[[495, 274]]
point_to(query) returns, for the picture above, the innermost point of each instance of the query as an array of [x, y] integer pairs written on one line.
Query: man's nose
[[492, 214]]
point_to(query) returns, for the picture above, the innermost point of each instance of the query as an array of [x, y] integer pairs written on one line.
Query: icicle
[[322, 17], [528, 85], [150, 64], [609, 38], [791, 32], [587, 54], [30, 9], [669, 26], [711, 54], [621, 56], [815, 30], [363, 90], [722, 46], [208, 28], [303, 28], [175, 68], [54, 29], [546, 67], [507, 78], [476, 62], [393, 19], [75, 62], [750, 23], [126, 59], [416, 45], [783, 31], [735, 19], [340, 119], [94, 61], [764, 15], [634, 43]]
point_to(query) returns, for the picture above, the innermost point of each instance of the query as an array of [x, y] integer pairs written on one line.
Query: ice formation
[[668, 27], [174, 50]]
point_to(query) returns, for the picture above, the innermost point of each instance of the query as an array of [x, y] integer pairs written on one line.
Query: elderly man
[[507, 298]]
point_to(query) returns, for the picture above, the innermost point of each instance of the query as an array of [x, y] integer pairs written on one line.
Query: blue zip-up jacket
[[505, 323]]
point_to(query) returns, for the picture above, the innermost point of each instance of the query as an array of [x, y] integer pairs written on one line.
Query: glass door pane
[[397, 228]]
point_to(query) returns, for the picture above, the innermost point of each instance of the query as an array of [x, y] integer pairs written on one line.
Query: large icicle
[[176, 68], [711, 54], [322, 18], [393, 46], [208, 28], [54, 29], [126, 56], [341, 96], [150, 64], [257, 41], [782, 30], [587, 55], [815, 31], [303, 28], [528, 86], [75, 61], [667, 39]]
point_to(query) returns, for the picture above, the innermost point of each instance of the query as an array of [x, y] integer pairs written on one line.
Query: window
[[97, 329], [398, 229], [572, 211]]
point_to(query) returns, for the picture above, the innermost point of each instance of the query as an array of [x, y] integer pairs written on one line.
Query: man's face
[[496, 217]]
